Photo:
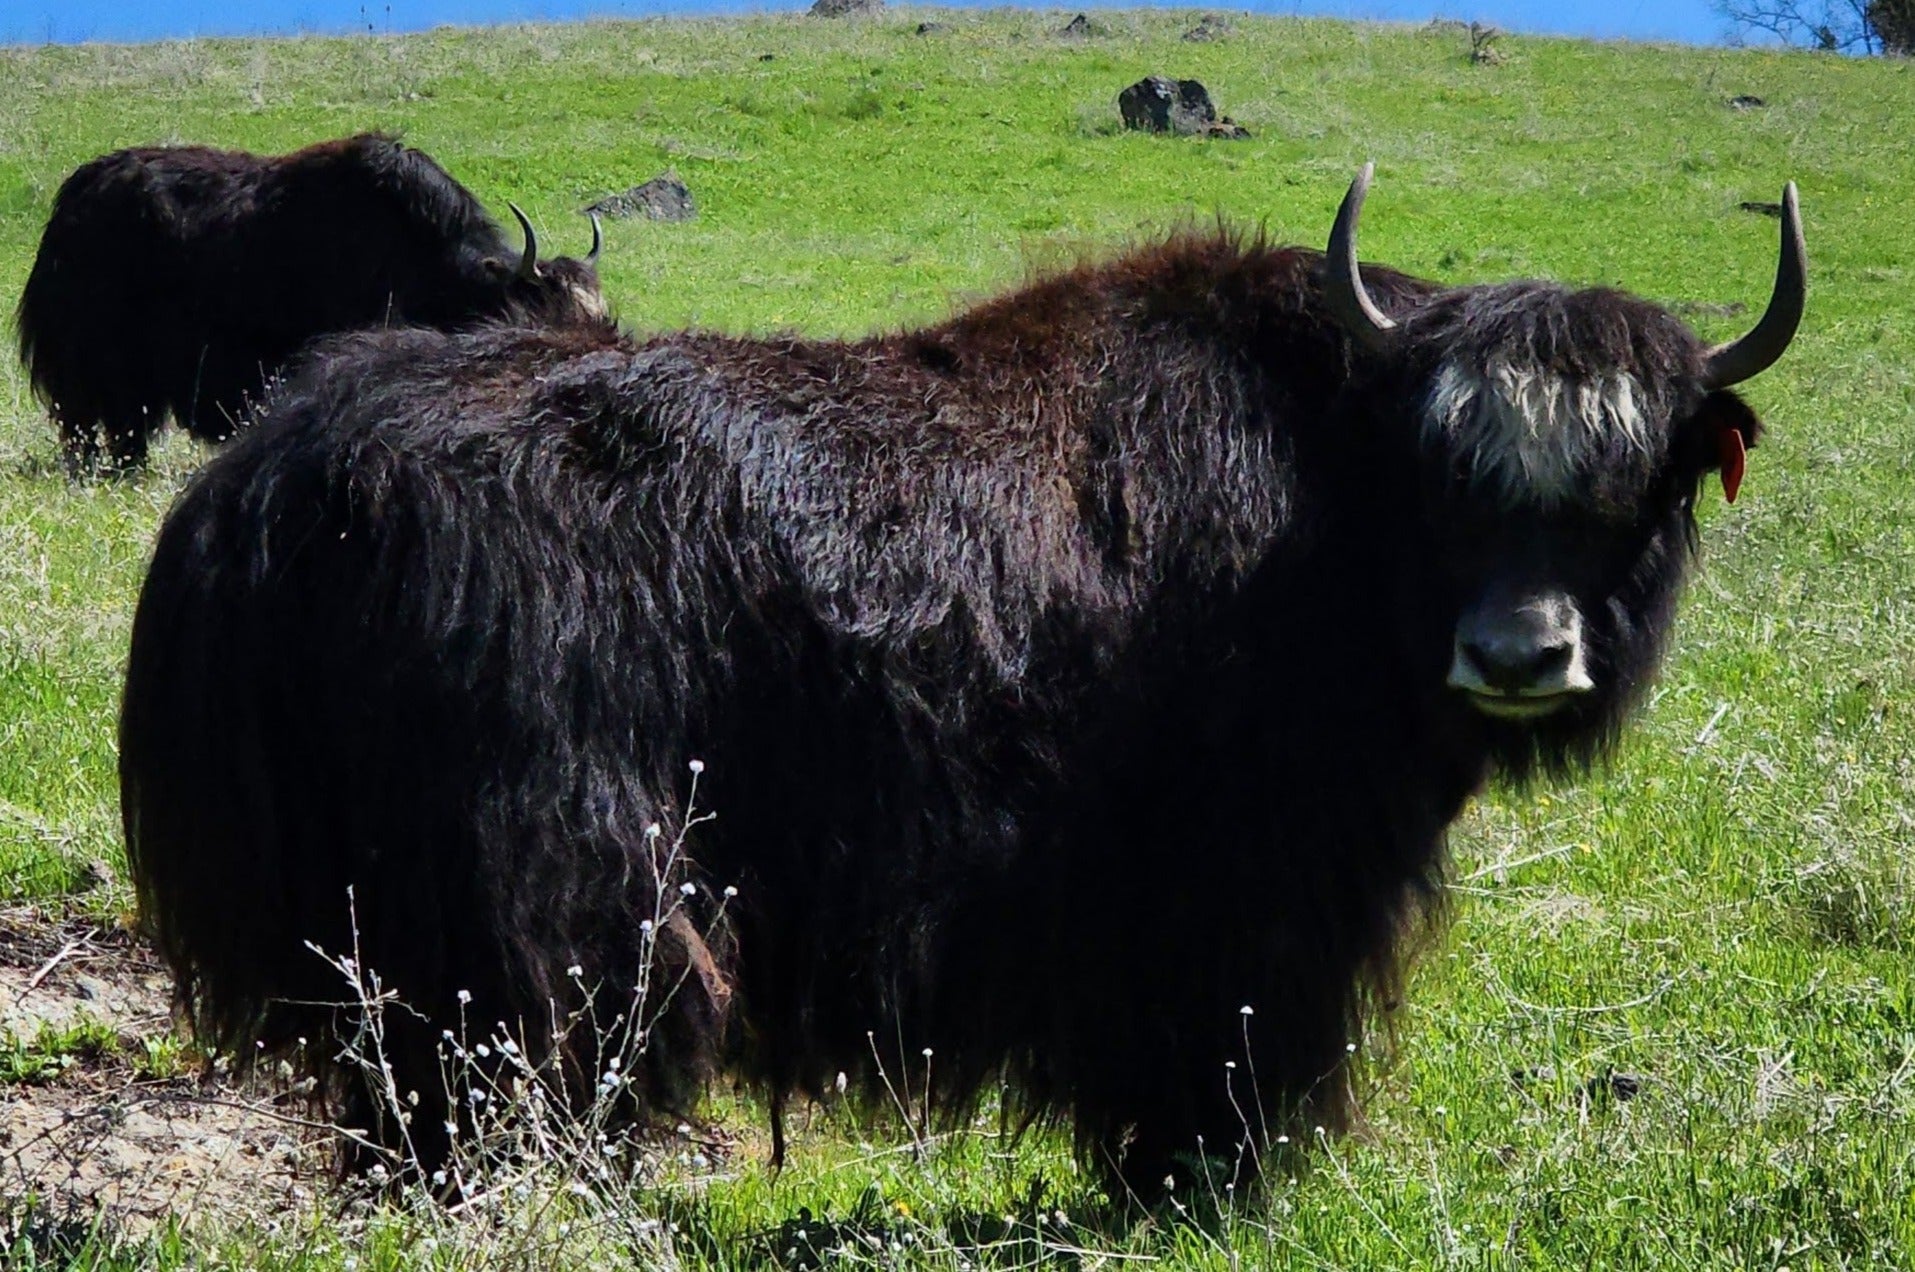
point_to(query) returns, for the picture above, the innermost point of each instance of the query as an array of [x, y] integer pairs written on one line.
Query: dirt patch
[[102, 1113]]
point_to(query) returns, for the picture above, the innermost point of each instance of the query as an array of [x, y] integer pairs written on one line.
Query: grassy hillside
[[1727, 917]]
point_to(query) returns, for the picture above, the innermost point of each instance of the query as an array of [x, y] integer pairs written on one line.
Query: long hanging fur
[[1069, 678], [178, 280]]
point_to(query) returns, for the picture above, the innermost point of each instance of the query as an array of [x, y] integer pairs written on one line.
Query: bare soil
[[98, 1139]]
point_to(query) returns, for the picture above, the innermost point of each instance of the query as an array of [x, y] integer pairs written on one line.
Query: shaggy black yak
[[1084, 684], [178, 279]]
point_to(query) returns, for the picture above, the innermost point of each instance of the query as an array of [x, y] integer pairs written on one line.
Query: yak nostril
[[1491, 667], [1550, 661], [1477, 657]]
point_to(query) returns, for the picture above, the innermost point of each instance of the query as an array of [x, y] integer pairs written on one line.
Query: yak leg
[[778, 1130], [79, 445], [98, 439], [217, 402], [126, 437]]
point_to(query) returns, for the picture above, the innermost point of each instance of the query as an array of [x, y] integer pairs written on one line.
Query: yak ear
[[1728, 431]]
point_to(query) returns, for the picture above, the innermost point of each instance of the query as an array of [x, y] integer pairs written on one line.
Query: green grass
[[51, 1050], [1728, 914]]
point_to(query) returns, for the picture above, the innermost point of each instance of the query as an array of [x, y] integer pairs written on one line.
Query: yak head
[[561, 290], [1561, 438]]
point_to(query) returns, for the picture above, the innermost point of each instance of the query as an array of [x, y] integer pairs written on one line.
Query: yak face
[[1563, 436], [1561, 439], [560, 290]]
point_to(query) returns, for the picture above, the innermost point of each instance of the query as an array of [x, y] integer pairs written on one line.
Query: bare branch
[[1832, 25]]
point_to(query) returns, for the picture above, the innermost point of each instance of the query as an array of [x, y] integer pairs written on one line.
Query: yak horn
[[528, 259], [1349, 299], [1757, 351], [598, 240]]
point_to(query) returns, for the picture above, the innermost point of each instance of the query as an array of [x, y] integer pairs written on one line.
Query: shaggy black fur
[[178, 279], [1070, 677]]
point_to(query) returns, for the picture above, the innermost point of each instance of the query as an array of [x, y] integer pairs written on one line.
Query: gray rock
[[1211, 27], [663, 198], [1160, 104]]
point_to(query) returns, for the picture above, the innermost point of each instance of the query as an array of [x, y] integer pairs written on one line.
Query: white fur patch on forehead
[[591, 301], [1529, 434]]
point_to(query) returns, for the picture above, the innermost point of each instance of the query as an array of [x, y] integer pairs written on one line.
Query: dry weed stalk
[[532, 1172]]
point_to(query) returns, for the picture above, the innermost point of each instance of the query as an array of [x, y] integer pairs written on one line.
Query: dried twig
[[46, 969]]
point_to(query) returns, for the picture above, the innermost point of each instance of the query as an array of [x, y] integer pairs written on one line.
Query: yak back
[[251, 252]]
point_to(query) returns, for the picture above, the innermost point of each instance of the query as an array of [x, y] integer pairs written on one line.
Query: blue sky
[[36, 21]]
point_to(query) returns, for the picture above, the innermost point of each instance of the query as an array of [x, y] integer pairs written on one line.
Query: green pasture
[[1673, 1022]]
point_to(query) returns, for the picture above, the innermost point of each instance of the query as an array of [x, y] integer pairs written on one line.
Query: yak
[[1081, 687], [178, 279]]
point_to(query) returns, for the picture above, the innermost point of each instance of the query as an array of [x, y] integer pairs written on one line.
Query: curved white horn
[[529, 258], [1348, 298], [1752, 354]]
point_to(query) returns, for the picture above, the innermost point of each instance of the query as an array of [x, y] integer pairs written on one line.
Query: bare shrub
[[531, 1169], [1860, 26], [1483, 50]]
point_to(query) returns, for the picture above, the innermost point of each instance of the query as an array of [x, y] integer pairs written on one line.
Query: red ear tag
[[1735, 457]]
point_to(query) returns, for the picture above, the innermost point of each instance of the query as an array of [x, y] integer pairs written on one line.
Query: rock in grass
[[1079, 28], [845, 8], [1212, 26], [663, 198], [1158, 103], [1611, 1085]]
